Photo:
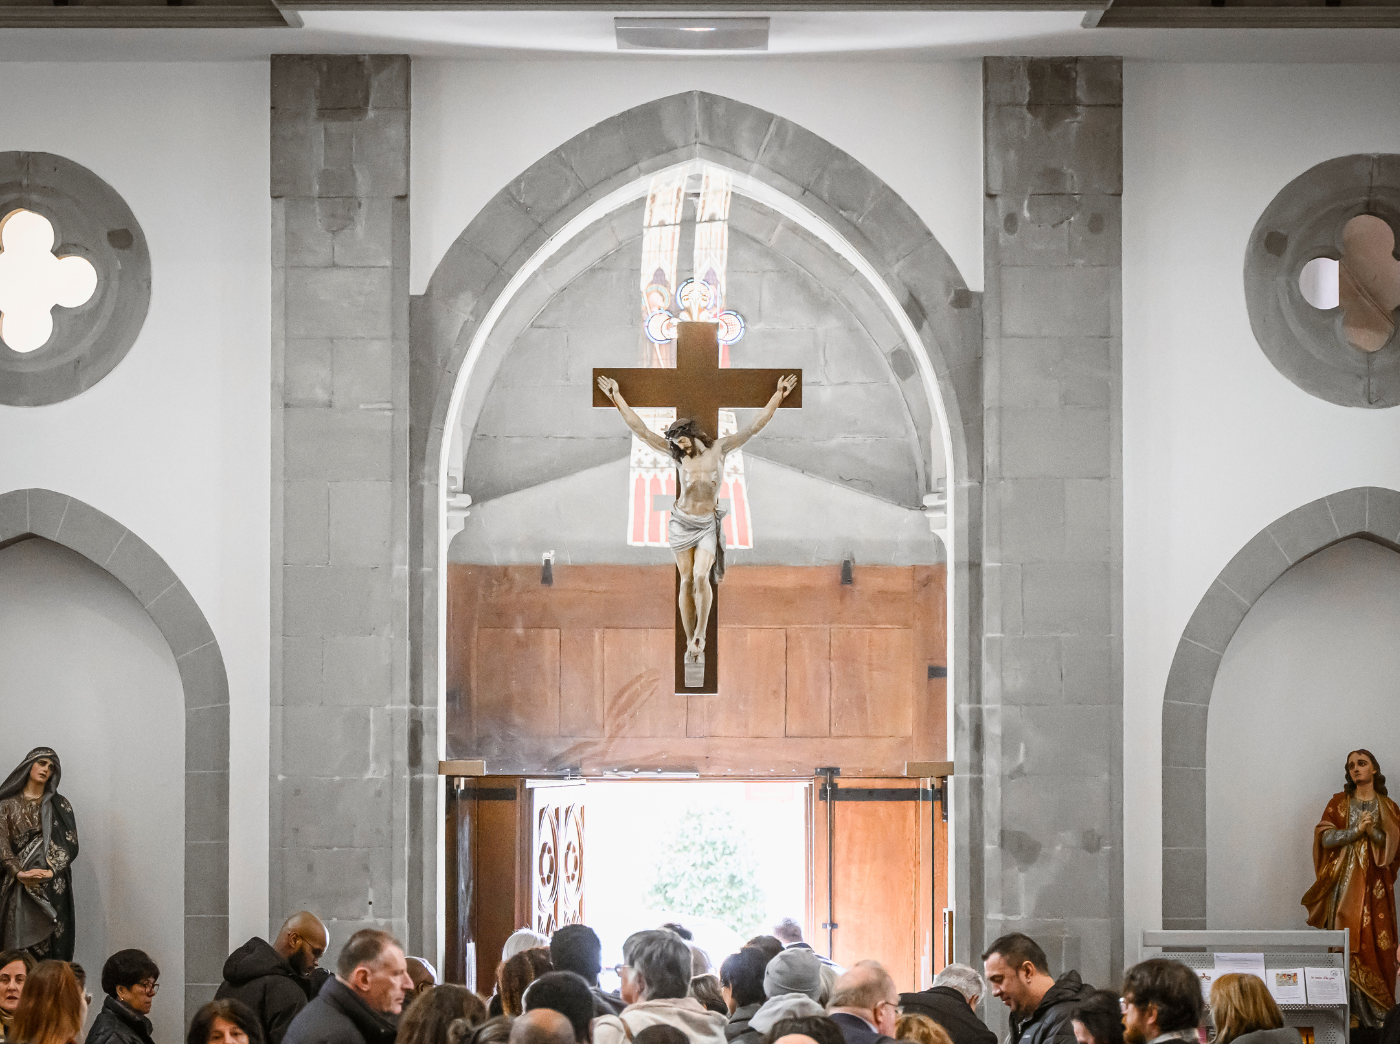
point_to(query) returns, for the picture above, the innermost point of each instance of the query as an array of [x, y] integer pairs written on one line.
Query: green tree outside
[[706, 869]]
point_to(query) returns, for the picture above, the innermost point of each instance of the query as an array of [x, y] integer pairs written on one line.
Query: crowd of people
[[774, 990]]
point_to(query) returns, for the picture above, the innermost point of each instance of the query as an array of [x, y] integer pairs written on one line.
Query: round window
[[1322, 281], [75, 278]]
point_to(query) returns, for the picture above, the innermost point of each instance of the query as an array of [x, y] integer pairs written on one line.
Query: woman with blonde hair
[[921, 1029], [51, 1008], [1244, 1012]]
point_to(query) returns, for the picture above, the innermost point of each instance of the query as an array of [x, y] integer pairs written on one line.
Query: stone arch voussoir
[[101, 539], [835, 186], [1370, 512], [616, 153]]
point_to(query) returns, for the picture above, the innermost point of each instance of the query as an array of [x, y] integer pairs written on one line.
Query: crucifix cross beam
[[698, 388]]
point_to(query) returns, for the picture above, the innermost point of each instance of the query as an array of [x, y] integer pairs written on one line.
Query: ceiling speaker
[[691, 34]]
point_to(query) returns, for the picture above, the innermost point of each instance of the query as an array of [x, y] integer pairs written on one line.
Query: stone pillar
[[1050, 817], [340, 725]]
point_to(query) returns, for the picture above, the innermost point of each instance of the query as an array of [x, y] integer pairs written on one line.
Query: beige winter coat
[[685, 1013]]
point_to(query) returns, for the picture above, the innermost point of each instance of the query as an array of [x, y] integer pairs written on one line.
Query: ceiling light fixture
[[691, 34]]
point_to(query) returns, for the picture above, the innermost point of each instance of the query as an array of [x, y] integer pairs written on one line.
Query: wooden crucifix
[[698, 389]]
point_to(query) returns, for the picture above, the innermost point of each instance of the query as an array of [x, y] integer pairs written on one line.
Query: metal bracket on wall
[[471, 767], [938, 772]]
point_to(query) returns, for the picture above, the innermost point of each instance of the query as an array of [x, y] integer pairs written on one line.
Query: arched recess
[[65, 520], [473, 283], [1369, 512]]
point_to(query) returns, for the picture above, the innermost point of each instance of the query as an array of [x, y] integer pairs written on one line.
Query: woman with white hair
[[520, 940]]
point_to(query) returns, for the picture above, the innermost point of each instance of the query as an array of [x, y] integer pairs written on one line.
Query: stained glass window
[[652, 481]]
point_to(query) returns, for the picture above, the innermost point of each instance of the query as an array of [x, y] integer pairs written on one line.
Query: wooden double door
[[876, 870]]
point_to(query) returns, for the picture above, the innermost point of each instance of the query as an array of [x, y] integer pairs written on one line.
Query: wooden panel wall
[[578, 674]]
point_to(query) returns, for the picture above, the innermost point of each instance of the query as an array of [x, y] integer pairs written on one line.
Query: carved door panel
[[556, 864]]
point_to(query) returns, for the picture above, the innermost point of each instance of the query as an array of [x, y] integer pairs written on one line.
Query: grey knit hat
[[794, 970]]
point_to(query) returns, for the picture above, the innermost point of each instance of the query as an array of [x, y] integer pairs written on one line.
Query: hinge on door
[[940, 794]]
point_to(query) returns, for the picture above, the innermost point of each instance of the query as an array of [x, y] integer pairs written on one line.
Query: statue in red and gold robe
[[1354, 855]]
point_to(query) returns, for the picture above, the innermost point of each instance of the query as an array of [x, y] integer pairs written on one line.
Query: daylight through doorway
[[724, 859]]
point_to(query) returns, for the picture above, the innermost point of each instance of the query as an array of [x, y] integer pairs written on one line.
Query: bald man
[[277, 980], [424, 977], [542, 1026], [865, 1004]]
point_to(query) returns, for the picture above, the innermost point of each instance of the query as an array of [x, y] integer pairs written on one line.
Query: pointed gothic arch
[[65, 520], [1368, 512], [474, 280]]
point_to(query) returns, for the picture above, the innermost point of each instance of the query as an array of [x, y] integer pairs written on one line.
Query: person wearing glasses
[[130, 980], [1161, 1002], [656, 987], [865, 1004]]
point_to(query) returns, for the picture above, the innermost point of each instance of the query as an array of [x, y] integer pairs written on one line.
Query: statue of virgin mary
[[38, 843], [1356, 848]]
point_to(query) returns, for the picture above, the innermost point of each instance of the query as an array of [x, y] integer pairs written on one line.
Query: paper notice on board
[[1286, 985], [1326, 985], [1239, 964], [1207, 978]]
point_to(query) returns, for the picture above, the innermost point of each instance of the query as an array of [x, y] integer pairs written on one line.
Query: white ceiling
[[854, 35]]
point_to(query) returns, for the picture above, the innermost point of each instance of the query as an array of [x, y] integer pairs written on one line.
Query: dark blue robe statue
[[37, 834]]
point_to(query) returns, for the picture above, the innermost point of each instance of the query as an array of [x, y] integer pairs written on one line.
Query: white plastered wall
[[478, 124], [174, 442], [88, 673], [1312, 673], [1216, 443]]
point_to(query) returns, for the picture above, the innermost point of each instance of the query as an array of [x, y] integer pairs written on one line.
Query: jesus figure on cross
[[695, 535]]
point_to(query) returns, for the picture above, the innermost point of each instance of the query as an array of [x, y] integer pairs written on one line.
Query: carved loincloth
[[686, 531]]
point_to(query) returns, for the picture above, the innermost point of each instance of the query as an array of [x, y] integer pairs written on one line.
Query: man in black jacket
[[575, 948], [358, 1005], [1042, 1008], [952, 1003], [566, 993], [274, 980], [130, 980], [741, 982]]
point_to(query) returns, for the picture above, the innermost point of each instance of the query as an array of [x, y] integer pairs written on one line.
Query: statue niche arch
[[26, 513], [543, 207], [1368, 512]]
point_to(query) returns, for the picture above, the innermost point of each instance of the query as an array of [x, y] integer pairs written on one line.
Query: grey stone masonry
[[1050, 717], [340, 723]]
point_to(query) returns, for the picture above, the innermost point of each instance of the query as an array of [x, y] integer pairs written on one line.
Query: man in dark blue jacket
[[865, 1004], [361, 1003]]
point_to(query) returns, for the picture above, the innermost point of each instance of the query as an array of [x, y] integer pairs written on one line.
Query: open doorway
[[859, 862], [725, 859]]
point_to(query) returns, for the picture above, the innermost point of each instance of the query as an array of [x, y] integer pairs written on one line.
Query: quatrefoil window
[[33, 281], [1322, 282], [1364, 283]]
